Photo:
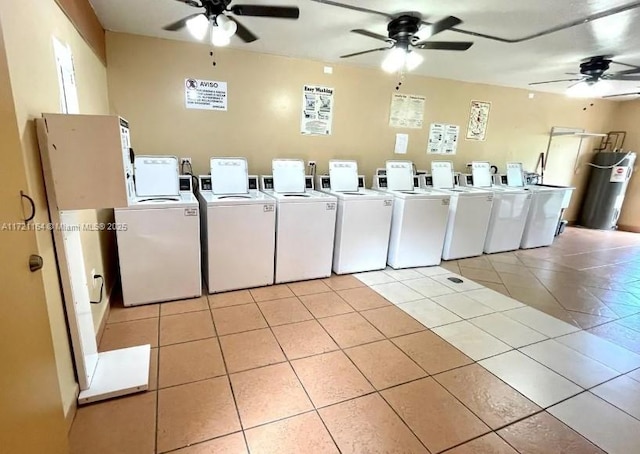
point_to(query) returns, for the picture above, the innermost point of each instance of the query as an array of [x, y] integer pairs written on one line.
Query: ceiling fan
[[593, 76], [215, 18], [407, 32]]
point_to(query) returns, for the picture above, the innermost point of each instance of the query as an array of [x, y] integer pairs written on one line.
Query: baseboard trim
[[73, 408], [629, 228]]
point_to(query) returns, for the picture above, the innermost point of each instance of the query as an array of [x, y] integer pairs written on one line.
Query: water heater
[[610, 174]]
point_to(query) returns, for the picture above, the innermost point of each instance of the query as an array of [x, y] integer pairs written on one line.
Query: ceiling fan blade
[[559, 80], [626, 64], [191, 3], [636, 93], [618, 76], [444, 24], [244, 33], [177, 25], [371, 35], [354, 8], [365, 52], [282, 12], [444, 45]]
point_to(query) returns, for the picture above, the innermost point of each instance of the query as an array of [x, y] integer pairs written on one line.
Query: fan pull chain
[[401, 79]]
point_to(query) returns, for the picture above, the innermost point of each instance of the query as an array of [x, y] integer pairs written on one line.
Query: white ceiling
[[322, 33]]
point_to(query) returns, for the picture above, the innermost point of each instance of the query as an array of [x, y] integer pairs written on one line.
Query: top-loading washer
[[305, 223], [237, 228], [419, 219], [158, 236], [469, 214], [363, 221], [509, 211]]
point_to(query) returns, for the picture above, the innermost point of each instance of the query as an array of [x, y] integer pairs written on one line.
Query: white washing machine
[[363, 220], [158, 236], [547, 204], [419, 220], [238, 225], [469, 214], [305, 223], [509, 211]]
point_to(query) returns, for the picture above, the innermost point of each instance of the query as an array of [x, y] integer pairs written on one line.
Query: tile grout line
[[228, 375]]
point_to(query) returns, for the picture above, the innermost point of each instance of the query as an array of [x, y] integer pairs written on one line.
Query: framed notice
[[478, 120], [205, 94], [317, 110]]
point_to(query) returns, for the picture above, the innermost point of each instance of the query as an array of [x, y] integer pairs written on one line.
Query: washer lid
[[252, 197], [229, 176], [442, 174], [288, 175], [399, 175], [481, 171], [515, 174], [156, 176], [343, 176]]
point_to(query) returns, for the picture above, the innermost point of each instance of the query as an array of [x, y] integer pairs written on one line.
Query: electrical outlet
[[312, 163], [185, 160], [93, 279]]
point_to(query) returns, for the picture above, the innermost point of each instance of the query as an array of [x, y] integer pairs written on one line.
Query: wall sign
[[317, 110], [205, 94], [478, 120], [407, 111], [443, 139], [66, 78]]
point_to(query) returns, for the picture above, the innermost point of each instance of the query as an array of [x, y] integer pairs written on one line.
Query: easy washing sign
[[205, 94]]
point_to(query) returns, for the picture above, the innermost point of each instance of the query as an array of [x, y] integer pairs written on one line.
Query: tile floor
[[536, 351]]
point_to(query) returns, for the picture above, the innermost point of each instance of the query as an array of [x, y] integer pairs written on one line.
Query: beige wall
[[28, 29], [146, 77], [627, 118]]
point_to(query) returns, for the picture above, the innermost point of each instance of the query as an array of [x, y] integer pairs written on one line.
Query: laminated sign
[[317, 110], [205, 94]]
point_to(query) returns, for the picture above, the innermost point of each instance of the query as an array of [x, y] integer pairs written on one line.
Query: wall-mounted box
[[86, 160]]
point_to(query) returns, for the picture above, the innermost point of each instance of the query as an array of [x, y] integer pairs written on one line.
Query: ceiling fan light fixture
[[222, 31], [413, 60], [589, 89], [395, 60], [198, 26]]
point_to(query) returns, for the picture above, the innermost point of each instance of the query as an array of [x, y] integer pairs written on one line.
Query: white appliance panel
[[159, 254], [156, 176], [467, 228], [229, 176], [543, 217], [508, 218], [304, 240], [418, 230], [399, 175], [240, 246], [343, 175], [288, 175], [362, 235]]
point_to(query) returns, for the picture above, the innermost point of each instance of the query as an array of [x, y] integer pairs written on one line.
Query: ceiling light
[[413, 60], [589, 89], [198, 26], [223, 30], [394, 61], [399, 58]]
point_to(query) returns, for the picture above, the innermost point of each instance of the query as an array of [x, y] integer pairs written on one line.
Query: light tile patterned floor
[[394, 361]]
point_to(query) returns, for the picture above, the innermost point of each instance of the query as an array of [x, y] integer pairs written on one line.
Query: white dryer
[[363, 220], [158, 236], [509, 211], [419, 219], [237, 228], [469, 214], [305, 223]]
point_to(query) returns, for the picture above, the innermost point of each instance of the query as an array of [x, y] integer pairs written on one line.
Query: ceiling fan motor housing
[[402, 29], [595, 67]]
